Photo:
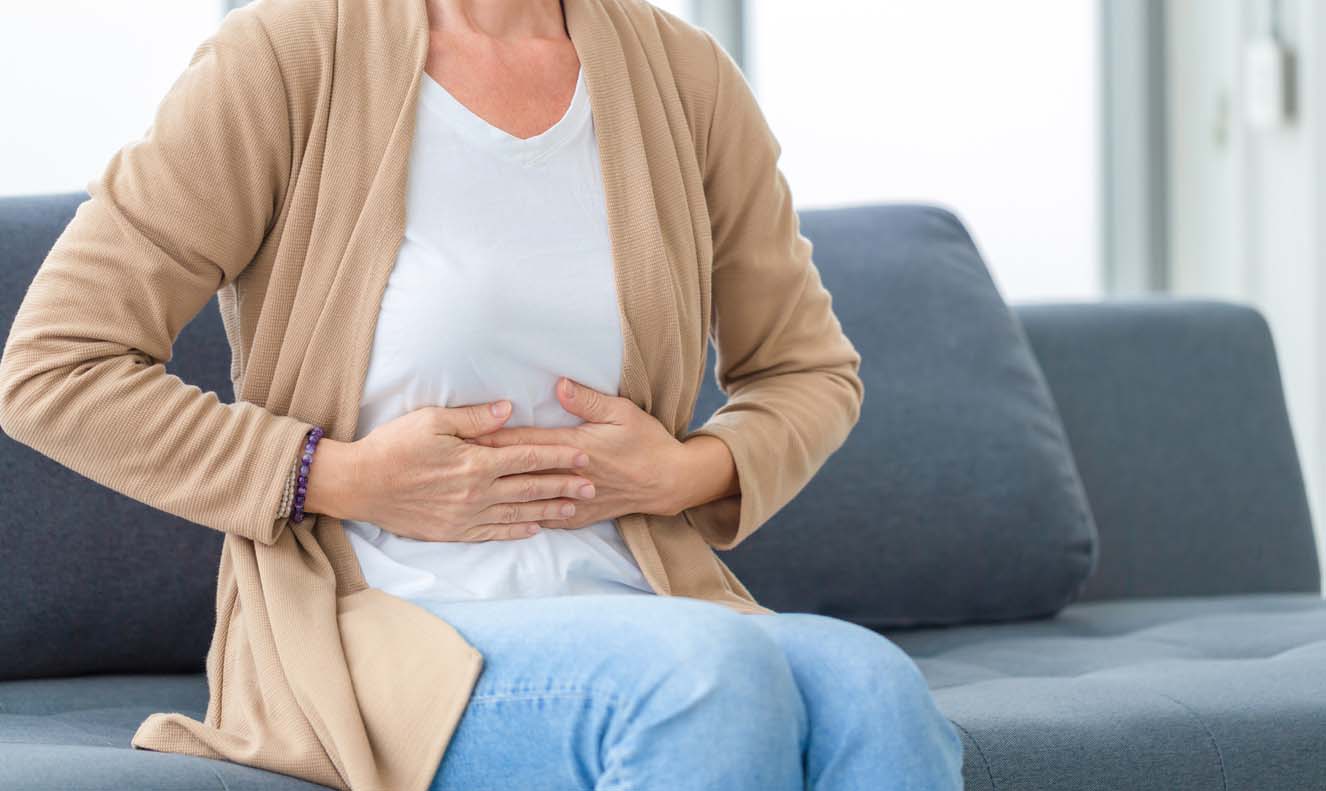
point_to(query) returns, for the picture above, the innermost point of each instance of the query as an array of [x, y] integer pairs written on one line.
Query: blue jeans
[[665, 693]]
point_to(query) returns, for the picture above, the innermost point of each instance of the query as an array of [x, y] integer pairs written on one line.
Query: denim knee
[[890, 688], [877, 666], [705, 656], [711, 648], [710, 696]]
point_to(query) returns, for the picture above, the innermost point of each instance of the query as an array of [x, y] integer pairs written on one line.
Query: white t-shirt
[[503, 282]]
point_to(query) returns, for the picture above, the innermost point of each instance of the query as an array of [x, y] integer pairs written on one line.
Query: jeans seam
[[498, 697], [596, 695]]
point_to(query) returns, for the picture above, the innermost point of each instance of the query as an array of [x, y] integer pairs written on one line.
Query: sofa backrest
[[955, 498], [92, 580], [1177, 419], [1174, 411]]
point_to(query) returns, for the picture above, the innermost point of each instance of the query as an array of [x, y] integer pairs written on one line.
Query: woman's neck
[[499, 19]]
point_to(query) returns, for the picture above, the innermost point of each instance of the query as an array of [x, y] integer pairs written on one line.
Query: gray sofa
[[1194, 657]]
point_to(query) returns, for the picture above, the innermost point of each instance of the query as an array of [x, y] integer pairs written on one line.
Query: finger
[[529, 458], [534, 486], [502, 532], [526, 435], [524, 512], [557, 471], [584, 516], [587, 403], [471, 421]]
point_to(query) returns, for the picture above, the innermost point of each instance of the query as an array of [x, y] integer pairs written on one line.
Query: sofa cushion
[[1179, 427], [1179, 695], [106, 582], [1185, 694], [955, 499], [73, 734]]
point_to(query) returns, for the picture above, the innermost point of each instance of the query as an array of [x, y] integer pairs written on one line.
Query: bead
[[301, 481]]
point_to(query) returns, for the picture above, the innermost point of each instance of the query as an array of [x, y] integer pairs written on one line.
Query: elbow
[[847, 376], [13, 381], [858, 386], [30, 388], [844, 388], [854, 396], [18, 417]]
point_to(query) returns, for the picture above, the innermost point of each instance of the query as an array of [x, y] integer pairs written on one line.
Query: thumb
[[476, 419], [584, 402]]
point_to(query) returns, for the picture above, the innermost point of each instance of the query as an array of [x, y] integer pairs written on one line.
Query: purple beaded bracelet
[[301, 485]]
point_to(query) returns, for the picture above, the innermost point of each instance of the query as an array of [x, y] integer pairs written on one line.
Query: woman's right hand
[[415, 476]]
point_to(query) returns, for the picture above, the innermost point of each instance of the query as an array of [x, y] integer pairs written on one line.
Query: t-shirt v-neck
[[481, 133], [503, 282]]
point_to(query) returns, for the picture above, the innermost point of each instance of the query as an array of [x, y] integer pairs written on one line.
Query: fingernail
[[581, 459], [568, 389], [531, 530], [587, 490], [500, 408], [568, 509]]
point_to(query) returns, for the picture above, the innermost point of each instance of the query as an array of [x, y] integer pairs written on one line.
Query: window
[[988, 108], [82, 78]]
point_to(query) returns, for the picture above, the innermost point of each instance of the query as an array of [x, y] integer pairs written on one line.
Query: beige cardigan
[[274, 172]]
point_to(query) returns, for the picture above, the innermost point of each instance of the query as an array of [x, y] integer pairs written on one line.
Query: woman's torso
[[503, 282]]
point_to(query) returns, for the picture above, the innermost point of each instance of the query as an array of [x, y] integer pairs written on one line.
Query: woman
[[481, 245]]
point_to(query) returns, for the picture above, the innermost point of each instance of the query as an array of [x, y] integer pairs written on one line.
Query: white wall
[[84, 77], [1248, 205], [988, 107]]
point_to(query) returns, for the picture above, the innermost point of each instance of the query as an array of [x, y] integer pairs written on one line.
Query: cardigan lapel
[[635, 236], [639, 257]]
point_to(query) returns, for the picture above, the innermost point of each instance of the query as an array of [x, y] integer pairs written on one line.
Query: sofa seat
[[72, 734], [1210, 694], [1167, 694]]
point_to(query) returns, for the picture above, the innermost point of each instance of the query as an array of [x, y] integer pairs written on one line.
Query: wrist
[[702, 470], [332, 479]]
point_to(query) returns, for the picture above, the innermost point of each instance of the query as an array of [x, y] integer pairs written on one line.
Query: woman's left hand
[[633, 459]]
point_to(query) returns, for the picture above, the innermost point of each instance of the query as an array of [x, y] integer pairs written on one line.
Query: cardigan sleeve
[[789, 372], [174, 215], [288, 498]]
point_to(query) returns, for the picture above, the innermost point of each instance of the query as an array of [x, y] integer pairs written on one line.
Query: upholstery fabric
[[1186, 694], [1177, 420], [311, 671], [139, 597], [928, 497], [957, 490], [1172, 694], [72, 734]]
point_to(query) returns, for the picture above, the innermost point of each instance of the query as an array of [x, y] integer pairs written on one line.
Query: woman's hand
[[634, 461], [417, 476]]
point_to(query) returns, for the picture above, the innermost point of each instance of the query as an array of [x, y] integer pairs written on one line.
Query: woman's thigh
[[872, 718], [608, 691]]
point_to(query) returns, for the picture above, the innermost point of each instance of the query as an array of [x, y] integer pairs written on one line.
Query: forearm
[[789, 372], [332, 480], [705, 471], [140, 432], [169, 220]]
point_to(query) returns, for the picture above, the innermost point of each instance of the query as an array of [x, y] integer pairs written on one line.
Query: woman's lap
[[861, 690], [571, 642], [643, 691]]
